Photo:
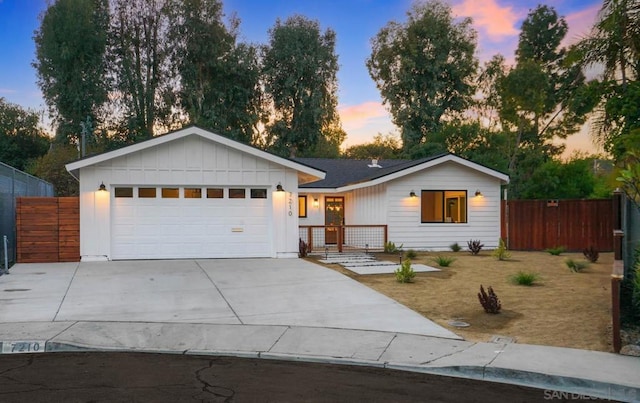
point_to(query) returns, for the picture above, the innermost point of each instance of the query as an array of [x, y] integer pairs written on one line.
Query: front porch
[[344, 237]]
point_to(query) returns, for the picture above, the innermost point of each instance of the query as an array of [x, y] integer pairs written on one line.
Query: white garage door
[[187, 222]]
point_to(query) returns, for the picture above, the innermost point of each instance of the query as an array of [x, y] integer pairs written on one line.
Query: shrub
[[390, 247], [411, 254], [556, 251], [405, 273], [576, 266], [443, 261], [635, 294], [591, 254], [489, 301], [524, 278], [455, 247], [303, 248], [474, 246], [501, 252]]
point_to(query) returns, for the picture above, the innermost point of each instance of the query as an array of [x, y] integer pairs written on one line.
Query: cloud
[[580, 24], [7, 90], [357, 116], [489, 18]]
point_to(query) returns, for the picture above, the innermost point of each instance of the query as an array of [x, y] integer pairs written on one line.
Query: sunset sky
[[355, 23]]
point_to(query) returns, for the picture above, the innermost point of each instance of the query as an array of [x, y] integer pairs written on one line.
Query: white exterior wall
[[192, 160], [483, 213]]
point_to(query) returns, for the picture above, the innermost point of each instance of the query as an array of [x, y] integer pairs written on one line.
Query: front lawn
[[562, 308]]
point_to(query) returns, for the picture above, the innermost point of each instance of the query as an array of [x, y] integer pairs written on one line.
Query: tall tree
[[614, 43], [542, 96], [299, 71], [219, 77], [382, 147], [71, 63], [140, 68], [424, 68], [21, 139]]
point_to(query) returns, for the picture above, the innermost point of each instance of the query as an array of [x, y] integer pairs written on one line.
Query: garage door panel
[[157, 228]]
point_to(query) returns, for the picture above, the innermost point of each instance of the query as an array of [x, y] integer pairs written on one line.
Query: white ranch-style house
[[195, 194]]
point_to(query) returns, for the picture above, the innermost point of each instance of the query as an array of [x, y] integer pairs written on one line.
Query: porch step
[[346, 258]]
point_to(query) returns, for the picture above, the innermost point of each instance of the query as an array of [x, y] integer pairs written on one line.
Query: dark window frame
[[118, 192], [234, 193], [141, 196], [212, 193], [258, 193]]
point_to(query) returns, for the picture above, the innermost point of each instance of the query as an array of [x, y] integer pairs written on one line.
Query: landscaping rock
[[631, 349]]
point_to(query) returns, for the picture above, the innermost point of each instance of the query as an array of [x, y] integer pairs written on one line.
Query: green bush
[[556, 251], [575, 265], [501, 252], [455, 247], [443, 261], [390, 247], [411, 254], [525, 278], [405, 273]]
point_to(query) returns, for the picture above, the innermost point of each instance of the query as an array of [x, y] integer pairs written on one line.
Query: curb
[[553, 386]]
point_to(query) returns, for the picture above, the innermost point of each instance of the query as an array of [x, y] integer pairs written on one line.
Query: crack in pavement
[[221, 393]]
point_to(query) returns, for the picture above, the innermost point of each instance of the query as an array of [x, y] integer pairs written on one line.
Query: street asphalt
[[277, 309]]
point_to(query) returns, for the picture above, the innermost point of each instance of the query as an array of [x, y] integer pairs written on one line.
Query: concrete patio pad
[[287, 292]]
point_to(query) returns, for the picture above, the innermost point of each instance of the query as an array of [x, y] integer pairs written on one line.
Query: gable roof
[[305, 172], [344, 175]]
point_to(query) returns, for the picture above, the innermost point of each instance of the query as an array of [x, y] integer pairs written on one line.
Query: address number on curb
[[21, 347]]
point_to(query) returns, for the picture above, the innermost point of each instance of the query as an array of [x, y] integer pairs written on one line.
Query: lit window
[[146, 192], [215, 193], [170, 193], [302, 206], [237, 193], [439, 206], [192, 193]]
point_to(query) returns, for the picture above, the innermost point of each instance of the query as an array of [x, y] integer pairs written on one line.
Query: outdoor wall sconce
[[412, 194], [316, 203], [478, 193], [102, 187], [279, 188]]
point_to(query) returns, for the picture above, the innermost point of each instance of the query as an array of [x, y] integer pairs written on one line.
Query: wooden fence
[[542, 224], [47, 229]]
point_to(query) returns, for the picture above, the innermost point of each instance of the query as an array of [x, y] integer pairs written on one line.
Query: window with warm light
[[192, 193], [302, 206], [237, 193], [215, 193], [443, 206], [170, 193], [146, 193]]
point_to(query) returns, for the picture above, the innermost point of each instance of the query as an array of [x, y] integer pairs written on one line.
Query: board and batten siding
[[483, 213], [188, 161], [368, 206]]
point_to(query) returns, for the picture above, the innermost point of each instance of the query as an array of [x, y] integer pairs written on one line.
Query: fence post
[[618, 269], [6, 258], [340, 238]]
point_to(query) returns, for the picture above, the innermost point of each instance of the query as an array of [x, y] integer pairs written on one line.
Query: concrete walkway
[[134, 306]]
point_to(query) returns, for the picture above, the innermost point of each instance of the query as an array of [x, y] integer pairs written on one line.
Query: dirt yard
[[563, 308]]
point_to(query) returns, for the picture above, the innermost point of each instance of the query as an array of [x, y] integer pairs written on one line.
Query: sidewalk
[[562, 371]]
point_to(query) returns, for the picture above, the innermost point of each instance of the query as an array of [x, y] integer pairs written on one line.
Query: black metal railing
[[365, 237]]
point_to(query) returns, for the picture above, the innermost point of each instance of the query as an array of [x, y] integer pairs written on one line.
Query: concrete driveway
[[290, 292]]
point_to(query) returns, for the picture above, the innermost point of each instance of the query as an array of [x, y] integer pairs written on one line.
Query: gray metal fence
[[15, 183], [631, 228]]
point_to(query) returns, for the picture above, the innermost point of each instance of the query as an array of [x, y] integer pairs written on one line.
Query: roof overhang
[[305, 173]]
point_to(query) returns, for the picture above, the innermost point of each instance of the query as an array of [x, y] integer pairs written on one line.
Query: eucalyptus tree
[[219, 77], [424, 69], [21, 138], [71, 64], [299, 74], [144, 86]]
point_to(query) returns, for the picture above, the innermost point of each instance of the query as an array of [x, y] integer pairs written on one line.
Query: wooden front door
[[333, 217]]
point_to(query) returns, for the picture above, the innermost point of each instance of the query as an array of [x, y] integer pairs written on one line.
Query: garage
[[169, 222], [189, 194]]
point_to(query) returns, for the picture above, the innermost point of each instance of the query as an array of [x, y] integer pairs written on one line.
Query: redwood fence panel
[[47, 229], [542, 224]]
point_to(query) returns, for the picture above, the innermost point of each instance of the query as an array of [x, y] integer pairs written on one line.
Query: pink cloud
[[491, 19], [580, 24], [358, 115]]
